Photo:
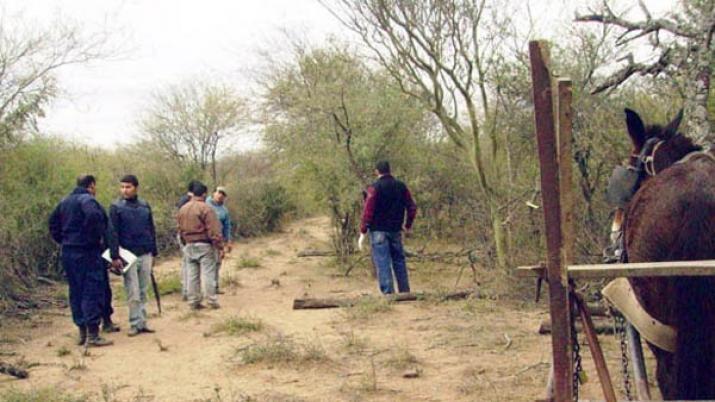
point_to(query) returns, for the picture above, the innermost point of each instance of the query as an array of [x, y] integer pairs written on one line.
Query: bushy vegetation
[[456, 126]]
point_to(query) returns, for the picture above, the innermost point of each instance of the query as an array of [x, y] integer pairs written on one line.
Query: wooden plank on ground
[[640, 269], [335, 302]]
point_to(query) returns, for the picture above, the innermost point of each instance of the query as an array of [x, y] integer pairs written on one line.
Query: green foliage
[[332, 118]]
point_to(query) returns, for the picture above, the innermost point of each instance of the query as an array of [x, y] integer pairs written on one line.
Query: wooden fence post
[[556, 276]]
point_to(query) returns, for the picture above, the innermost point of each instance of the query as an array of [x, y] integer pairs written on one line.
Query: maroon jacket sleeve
[[411, 208], [369, 209]]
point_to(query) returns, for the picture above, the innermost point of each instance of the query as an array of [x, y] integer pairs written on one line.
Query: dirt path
[[480, 350]]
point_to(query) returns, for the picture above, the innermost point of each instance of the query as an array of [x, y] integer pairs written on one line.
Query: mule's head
[[654, 149], [658, 147]]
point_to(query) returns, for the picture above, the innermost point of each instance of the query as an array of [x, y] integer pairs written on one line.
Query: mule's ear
[[672, 127], [636, 128]]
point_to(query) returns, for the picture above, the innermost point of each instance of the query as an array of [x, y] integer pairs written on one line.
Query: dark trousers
[[86, 277], [107, 309]]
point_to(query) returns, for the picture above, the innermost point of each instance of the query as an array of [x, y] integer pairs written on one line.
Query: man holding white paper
[[132, 226]]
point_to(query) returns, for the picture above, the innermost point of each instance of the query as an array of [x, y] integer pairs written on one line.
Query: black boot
[[108, 326], [94, 339], [82, 335]]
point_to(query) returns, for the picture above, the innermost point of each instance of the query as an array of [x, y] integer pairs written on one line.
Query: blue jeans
[[388, 255]]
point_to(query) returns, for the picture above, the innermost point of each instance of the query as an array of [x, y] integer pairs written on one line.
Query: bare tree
[[683, 44], [449, 55], [29, 58], [190, 122]]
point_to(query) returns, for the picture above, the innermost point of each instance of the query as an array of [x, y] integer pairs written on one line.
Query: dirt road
[[257, 348]]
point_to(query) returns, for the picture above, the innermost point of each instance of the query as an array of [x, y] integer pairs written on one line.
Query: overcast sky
[[169, 41]]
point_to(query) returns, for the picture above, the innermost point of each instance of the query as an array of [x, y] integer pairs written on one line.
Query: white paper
[[126, 255]]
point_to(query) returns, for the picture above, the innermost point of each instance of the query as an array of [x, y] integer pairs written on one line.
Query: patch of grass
[[401, 359], [248, 262], [46, 394], [236, 325], [474, 306], [367, 308], [280, 350], [272, 253], [230, 281], [167, 285], [63, 351], [354, 343], [314, 352], [192, 314], [272, 351], [61, 293]]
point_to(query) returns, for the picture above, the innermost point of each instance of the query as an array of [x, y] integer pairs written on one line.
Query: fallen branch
[[9, 369], [603, 328], [318, 303], [316, 253]]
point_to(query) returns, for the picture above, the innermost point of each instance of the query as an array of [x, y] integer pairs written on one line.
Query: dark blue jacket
[[132, 227], [79, 221]]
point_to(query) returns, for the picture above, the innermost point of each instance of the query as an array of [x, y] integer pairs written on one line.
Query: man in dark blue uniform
[[79, 224]]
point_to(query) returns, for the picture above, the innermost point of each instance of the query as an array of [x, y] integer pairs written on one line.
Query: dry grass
[[248, 262], [279, 350], [401, 359], [46, 394], [367, 308], [236, 326]]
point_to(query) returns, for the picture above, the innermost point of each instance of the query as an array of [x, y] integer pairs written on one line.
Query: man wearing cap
[[387, 201], [79, 224], [216, 201], [132, 226], [200, 233]]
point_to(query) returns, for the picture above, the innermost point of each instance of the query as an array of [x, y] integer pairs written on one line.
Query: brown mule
[[671, 217]]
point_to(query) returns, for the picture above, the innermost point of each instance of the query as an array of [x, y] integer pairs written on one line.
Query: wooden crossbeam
[[629, 270], [640, 269]]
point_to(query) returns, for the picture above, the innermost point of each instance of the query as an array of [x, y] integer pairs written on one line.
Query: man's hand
[[228, 248], [116, 266], [361, 241], [221, 254], [408, 232]]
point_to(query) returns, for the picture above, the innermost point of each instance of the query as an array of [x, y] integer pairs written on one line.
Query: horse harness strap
[[625, 180], [621, 295]]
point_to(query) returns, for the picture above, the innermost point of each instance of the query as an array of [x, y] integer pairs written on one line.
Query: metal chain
[[576, 353], [620, 326]]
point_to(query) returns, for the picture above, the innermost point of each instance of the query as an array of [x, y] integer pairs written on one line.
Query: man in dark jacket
[[132, 226], [79, 224], [384, 214]]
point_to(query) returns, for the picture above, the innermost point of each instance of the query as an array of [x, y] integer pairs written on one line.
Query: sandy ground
[[470, 350]]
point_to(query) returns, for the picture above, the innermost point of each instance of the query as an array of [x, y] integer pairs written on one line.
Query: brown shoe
[[133, 331], [146, 330]]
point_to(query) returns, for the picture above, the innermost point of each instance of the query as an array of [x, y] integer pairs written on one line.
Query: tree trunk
[[699, 124], [500, 241]]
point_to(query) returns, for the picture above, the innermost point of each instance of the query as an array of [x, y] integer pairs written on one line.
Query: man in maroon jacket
[[384, 215]]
